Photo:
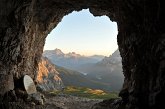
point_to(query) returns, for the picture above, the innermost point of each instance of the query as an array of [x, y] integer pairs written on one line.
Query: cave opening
[[86, 48], [25, 25]]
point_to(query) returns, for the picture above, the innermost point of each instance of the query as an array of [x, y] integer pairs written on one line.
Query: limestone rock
[[7, 83], [37, 98], [47, 77]]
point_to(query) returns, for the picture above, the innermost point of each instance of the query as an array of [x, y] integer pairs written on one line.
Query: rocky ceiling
[[24, 25]]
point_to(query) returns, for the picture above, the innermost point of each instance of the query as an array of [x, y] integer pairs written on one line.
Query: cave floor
[[70, 102]]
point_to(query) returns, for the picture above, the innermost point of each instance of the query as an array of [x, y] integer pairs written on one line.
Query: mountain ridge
[[70, 60], [107, 71], [52, 77]]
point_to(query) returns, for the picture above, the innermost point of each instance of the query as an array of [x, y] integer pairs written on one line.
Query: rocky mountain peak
[[115, 58], [73, 54], [58, 52]]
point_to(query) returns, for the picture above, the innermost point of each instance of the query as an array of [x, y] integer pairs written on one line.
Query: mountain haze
[[74, 78], [52, 77], [70, 60], [106, 71]]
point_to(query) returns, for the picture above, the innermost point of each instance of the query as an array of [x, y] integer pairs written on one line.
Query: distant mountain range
[[52, 77], [95, 72], [108, 70], [70, 60]]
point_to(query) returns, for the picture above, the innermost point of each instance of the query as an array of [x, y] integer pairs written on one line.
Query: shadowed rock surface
[[24, 25], [71, 102]]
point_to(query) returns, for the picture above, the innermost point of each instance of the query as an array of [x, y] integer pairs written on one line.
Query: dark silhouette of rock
[[24, 25], [112, 104]]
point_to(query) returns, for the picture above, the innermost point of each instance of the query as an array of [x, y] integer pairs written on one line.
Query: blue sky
[[85, 34]]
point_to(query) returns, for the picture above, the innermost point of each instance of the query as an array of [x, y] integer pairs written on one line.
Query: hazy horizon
[[79, 53], [84, 34]]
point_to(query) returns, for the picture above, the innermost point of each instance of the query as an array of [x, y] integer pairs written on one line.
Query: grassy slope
[[87, 92]]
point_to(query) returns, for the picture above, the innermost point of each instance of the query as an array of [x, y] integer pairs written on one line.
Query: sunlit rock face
[[47, 76], [25, 24]]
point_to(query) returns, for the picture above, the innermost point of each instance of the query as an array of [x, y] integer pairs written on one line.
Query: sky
[[84, 34]]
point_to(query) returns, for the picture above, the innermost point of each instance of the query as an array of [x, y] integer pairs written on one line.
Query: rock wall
[[47, 77], [24, 25]]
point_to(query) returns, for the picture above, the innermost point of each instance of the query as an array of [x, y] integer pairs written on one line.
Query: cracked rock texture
[[24, 25]]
